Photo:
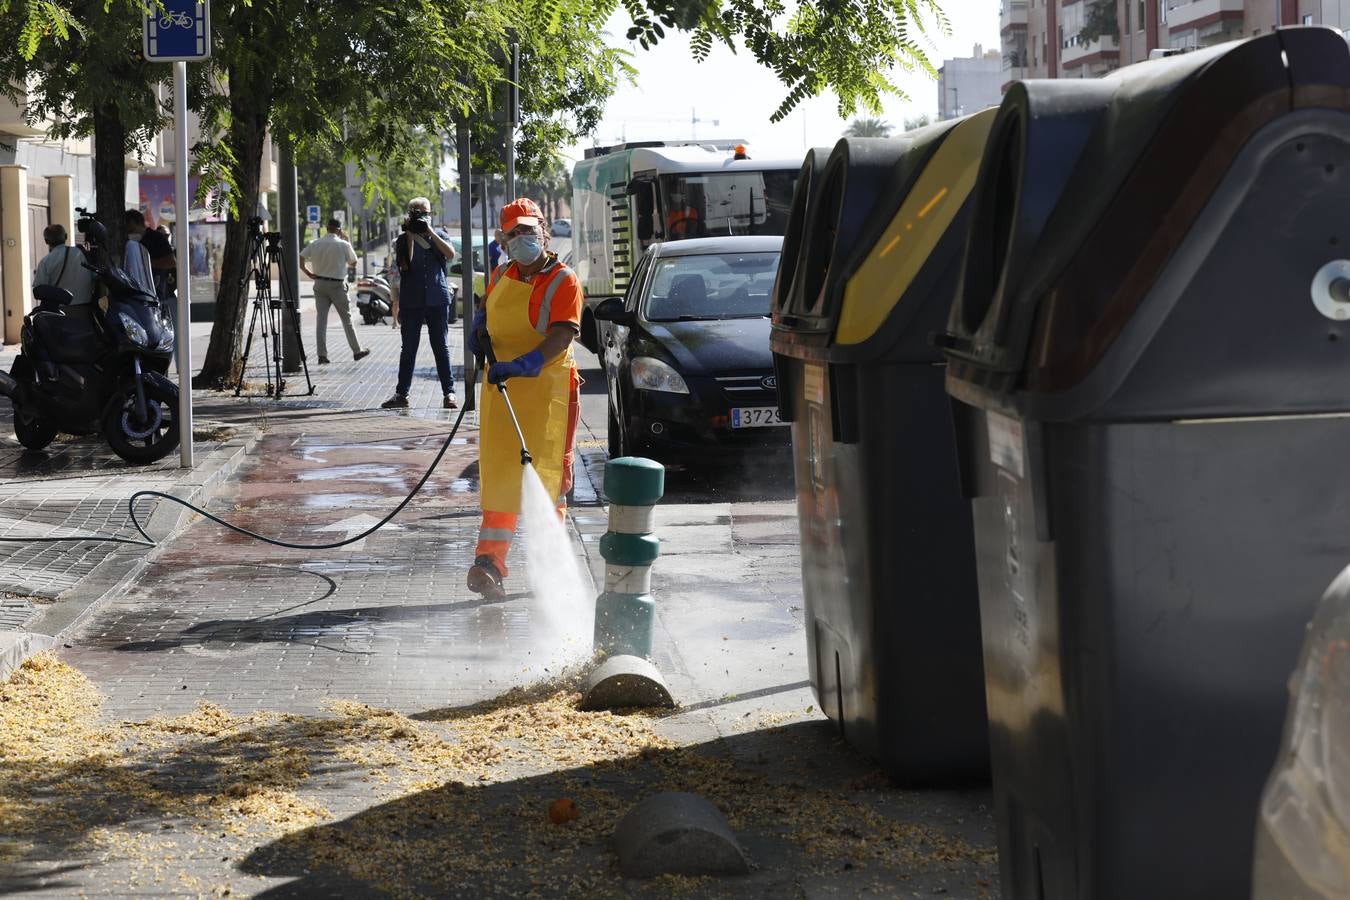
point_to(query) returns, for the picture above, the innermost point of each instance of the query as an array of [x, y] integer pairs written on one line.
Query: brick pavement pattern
[[299, 653]]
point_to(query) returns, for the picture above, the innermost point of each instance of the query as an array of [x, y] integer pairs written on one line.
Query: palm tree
[[868, 128]]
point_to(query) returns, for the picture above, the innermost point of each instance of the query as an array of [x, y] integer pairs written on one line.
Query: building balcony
[[1013, 14], [1078, 53], [1199, 13], [12, 116]]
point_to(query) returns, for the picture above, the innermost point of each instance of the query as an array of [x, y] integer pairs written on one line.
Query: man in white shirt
[[62, 267], [330, 256]]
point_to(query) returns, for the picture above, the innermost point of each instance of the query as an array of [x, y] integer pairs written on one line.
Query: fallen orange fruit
[[562, 810]]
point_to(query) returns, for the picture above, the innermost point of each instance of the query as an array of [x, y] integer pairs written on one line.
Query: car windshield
[[711, 286]]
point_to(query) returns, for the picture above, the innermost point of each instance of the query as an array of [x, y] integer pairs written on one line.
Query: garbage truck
[[628, 196]]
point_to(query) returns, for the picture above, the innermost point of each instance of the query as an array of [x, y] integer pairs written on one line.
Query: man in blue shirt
[[423, 299]]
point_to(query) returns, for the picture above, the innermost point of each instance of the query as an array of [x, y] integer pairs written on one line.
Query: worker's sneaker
[[485, 579], [450, 402], [323, 360], [398, 401], [360, 355]]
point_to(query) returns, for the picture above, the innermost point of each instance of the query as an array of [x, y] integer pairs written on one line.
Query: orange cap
[[521, 212]]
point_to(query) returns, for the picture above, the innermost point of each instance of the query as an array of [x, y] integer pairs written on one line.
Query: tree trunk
[[246, 137], [110, 175]]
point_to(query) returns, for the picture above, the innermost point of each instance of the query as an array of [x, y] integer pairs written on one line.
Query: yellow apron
[[541, 405]]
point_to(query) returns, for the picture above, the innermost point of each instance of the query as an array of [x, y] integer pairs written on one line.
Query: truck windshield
[[717, 203], [711, 286]]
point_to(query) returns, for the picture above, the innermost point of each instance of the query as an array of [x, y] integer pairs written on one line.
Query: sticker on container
[[813, 380], [1005, 443]]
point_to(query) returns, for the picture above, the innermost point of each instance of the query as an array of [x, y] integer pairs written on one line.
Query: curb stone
[[116, 573]]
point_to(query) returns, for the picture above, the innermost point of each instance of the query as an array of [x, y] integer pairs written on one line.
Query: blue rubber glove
[[476, 329], [527, 366]]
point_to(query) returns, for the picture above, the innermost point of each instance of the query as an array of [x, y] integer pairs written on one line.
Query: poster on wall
[[206, 229]]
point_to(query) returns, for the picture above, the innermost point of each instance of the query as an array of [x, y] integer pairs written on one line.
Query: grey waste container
[[887, 547], [1153, 423]]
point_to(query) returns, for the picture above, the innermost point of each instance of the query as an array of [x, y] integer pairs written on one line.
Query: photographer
[[423, 298]]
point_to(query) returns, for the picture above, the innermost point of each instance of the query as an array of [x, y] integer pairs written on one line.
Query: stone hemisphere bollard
[[624, 613]]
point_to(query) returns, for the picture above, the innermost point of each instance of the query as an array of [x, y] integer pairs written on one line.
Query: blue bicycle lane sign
[[177, 30]]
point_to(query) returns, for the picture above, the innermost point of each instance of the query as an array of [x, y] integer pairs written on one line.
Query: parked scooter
[[96, 367], [373, 297]]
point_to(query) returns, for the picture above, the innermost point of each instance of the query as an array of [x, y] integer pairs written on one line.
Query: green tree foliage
[[868, 128], [1099, 19], [916, 122], [847, 46]]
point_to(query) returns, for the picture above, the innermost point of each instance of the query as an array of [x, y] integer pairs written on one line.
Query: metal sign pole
[[512, 118], [182, 205], [177, 31], [466, 256]]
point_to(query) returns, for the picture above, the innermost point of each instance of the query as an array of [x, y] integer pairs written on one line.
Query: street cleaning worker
[[531, 316]]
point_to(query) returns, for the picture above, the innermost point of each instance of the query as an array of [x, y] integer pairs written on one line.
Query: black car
[[686, 352]]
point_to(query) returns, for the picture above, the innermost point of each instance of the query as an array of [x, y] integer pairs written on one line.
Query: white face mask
[[525, 248]]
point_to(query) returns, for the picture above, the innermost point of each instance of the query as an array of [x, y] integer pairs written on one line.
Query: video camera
[[255, 226], [417, 221], [91, 228]]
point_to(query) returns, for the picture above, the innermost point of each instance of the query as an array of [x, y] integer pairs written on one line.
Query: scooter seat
[[71, 336]]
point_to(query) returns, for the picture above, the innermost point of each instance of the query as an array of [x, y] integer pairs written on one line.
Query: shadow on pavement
[[747, 478], [811, 815]]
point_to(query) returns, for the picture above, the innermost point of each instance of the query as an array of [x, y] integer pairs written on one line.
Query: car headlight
[[653, 375], [133, 330]]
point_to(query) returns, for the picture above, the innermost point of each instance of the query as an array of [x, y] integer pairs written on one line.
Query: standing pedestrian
[[331, 254], [531, 316], [422, 299], [163, 261], [495, 250]]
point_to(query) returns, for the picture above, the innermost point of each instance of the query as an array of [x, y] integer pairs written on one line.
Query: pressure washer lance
[[486, 343]]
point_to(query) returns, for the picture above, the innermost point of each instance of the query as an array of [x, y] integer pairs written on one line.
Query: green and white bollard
[[625, 612]]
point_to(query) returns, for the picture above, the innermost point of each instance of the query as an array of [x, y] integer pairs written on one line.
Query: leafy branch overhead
[[849, 47]]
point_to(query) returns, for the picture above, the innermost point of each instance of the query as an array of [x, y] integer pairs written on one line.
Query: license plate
[[755, 417]]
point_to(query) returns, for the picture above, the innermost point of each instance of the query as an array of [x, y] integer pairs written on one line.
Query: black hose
[[150, 542]]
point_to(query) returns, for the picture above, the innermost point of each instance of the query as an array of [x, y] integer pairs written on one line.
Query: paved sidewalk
[[242, 718]]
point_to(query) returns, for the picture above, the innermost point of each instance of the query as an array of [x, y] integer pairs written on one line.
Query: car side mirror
[[612, 310]]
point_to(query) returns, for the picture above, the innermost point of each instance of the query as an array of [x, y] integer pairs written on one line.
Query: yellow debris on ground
[[446, 802]]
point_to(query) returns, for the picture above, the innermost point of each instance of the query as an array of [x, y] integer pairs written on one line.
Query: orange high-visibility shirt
[[556, 297]]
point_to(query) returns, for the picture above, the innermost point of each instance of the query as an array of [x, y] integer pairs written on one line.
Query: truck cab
[[627, 197]]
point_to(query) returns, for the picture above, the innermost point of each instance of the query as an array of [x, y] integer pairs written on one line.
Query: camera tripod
[[270, 314]]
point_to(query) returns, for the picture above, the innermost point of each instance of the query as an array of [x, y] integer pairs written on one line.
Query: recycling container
[[887, 547], [1151, 369]]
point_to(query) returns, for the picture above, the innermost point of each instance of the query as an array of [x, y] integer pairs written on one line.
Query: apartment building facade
[[969, 84], [1087, 38], [42, 180]]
